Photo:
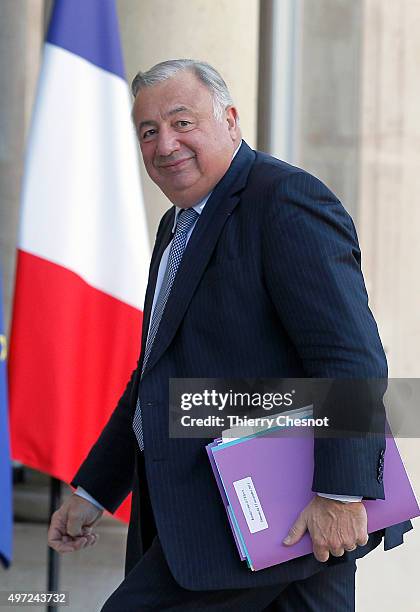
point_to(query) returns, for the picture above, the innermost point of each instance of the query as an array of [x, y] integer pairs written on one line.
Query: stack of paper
[[265, 481]]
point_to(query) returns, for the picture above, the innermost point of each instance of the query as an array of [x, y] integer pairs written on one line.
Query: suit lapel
[[203, 240]]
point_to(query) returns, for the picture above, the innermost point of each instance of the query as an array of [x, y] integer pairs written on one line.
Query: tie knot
[[186, 220]]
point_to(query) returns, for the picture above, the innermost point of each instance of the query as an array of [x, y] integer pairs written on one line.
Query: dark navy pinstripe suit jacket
[[269, 286]]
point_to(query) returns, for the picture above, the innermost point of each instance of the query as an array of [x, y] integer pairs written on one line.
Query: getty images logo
[[232, 399]]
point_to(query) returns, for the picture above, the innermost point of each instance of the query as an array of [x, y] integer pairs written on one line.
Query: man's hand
[[71, 525], [333, 526]]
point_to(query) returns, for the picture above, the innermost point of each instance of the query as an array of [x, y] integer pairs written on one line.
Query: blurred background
[[332, 86]]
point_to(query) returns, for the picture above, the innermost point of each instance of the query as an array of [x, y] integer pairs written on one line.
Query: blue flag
[[6, 523]]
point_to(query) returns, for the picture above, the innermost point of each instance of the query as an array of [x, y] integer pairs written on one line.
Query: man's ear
[[232, 118]]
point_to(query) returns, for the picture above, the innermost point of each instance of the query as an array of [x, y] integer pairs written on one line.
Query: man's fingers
[[69, 546], [78, 543], [321, 553], [362, 540], [91, 539], [296, 532], [87, 530], [57, 529], [337, 552], [58, 524]]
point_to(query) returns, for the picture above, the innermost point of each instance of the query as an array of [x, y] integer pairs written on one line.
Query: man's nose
[[167, 142]]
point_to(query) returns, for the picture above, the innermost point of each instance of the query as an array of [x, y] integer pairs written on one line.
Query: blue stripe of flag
[[88, 28], [6, 522]]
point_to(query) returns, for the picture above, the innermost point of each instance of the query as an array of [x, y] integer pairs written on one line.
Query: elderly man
[[255, 273]]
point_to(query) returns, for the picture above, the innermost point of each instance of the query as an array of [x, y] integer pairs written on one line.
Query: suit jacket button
[[380, 478]]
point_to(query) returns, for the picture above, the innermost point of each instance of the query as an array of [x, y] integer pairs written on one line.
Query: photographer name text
[[280, 420]]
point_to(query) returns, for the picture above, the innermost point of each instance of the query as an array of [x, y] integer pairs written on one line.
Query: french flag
[[83, 249]]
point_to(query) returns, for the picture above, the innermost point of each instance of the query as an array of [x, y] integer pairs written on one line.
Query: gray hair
[[202, 70]]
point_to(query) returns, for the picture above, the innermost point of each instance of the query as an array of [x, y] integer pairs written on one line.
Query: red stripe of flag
[[72, 351]]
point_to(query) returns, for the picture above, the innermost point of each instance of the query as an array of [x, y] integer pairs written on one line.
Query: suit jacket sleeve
[[313, 274]]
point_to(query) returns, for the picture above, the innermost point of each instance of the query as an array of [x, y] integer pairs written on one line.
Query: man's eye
[[183, 123], [148, 133]]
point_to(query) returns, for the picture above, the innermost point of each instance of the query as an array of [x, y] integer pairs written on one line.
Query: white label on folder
[[250, 504]]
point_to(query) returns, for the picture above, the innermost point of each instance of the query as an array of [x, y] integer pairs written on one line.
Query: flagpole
[[53, 558]]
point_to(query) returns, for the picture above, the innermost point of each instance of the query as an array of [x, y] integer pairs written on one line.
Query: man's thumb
[[296, 532]]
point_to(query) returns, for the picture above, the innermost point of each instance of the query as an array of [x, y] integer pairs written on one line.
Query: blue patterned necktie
[[186, 220]]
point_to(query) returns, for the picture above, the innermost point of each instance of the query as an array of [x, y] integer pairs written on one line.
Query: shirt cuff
[[346, 499], [82, 493]]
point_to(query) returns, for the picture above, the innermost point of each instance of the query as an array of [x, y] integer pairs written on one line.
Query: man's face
[[185, 149]]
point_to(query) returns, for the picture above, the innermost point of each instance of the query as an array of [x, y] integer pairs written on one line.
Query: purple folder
[[265, 481]]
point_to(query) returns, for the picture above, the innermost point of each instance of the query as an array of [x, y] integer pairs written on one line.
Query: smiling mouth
[[176, 164]]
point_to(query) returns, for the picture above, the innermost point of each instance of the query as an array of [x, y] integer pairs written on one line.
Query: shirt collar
[[200, 206]]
